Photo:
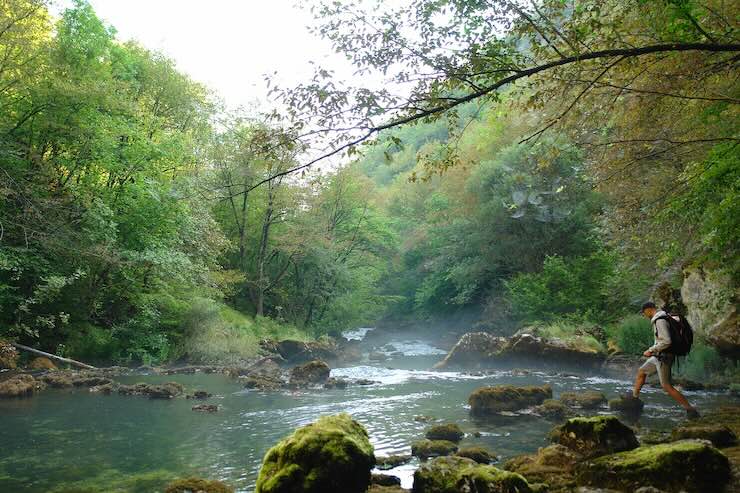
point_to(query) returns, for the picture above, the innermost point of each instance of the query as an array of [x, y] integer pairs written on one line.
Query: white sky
[[226, 44]]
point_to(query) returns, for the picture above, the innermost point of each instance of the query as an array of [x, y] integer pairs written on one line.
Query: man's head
[[649, 309]]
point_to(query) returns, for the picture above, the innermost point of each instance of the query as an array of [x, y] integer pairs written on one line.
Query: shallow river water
[[75, 441]]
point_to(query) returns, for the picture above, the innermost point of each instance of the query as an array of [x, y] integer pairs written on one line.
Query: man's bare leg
[[639, 382], [677, 396]]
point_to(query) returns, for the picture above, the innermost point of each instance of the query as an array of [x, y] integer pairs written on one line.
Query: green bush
[[633, 335], [703, 362]]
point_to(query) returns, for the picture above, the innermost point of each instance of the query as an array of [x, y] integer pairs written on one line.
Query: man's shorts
[[661, 364]]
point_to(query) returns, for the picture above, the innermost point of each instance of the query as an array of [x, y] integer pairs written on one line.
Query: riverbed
[[77, 441]]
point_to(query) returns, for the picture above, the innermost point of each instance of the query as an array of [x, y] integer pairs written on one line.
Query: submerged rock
[[553, 410], [458, 474], [167, 390], [489, 400], [105, 389], [197, 485], [19, 386], [199, 394], [206, 408], [391, 461], [425, 449], [332, 454], [42, 363], [474, 349], [335, 383], [312, 373], [590, 399], [689, 465], [719, 435], [595, 436], [478, 454], [448, 431]]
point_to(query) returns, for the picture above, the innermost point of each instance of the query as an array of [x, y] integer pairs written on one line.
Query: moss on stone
[[591, 399], [478, 454], [553, 465], [597, 435], [332, 454], [688, 465], [553, 410], [498, 398], [719, 435], [391, 461], [425, 449], [456, 474], [19, 386], [447, 431], [197, 485]]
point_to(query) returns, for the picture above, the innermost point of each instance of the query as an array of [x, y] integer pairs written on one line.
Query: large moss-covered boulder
[[312, 373], [458, 474], [8, 356], [425, 449], [473, 350], [711, 298], [332, 454], [594, 436], [478, 454], [719, 435], [553, 410], [689, 465], [447, 431], [19, 386], [498, 398], [197, 485], [545, 345]]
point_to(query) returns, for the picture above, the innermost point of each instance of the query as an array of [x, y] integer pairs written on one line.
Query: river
[[77, 441]]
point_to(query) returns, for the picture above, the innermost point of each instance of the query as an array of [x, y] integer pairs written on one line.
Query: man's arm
[[663, 339]]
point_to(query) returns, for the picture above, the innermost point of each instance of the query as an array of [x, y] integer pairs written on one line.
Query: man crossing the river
[[661, 356]]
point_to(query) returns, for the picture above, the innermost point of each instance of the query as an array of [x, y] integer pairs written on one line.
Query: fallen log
[[52, 356]]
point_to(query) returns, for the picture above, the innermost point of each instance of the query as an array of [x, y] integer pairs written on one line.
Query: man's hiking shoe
[[692, 413]]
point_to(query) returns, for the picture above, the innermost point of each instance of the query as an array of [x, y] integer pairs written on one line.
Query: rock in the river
[[335, 383], [474, 349], [533, 344], [332, 454], [590, 399], [447, 431], [70, 378], [42, 363], [594, 436], [199, 394], [478, 454], [719, 435], [312, 373], [262, 383], [8, 356], [385, 480], [295, 351], [19, 386], [197, 485], [553, 410], [553, 464], [206, 408], [377, 356], [490, 400], [688, 465], [425, 449], [711, 298], [627, 406], [391, 461], [458, 474], [167, 390]]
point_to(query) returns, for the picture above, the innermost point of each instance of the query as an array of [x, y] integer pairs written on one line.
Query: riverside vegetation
[[564, 163]]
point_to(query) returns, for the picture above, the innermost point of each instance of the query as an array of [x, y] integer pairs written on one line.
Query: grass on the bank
[[217, 334]]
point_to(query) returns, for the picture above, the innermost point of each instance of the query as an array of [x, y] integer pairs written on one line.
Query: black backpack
[[682, 335]]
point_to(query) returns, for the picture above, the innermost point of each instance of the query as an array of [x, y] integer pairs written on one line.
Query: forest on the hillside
[[552, 162]]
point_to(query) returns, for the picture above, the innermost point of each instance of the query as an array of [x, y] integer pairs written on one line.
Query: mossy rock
[[595, 436], [42, 363], [425, 449], [627, 406], [312, 373], [197, 485], [719, 435], [19, 386], [385, 480], [591, 399], [553, 464], [447, 431], [689, 465], [391, 461], [456, 474], [332, 454], [478, 454], [499, 398], [553, 410]]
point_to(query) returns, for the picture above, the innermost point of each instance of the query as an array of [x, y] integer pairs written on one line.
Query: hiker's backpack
[[682, 335]]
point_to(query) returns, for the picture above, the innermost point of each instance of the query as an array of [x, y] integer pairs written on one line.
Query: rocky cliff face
[[711, 299]]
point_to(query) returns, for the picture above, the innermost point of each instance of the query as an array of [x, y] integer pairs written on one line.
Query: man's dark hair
[[646, 305]]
